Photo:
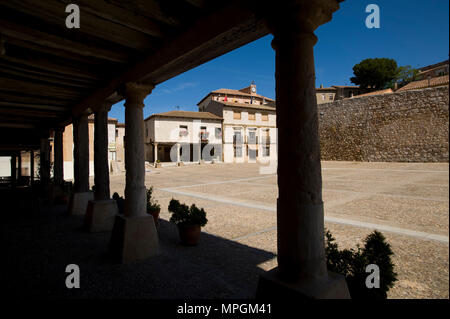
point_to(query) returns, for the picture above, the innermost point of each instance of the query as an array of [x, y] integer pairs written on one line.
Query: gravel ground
[[239, 241]]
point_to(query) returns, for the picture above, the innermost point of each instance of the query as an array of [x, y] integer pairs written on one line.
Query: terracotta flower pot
[[189, 234], [155, 214]]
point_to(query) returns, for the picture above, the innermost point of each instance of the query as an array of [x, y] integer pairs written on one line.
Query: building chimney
[[321, 86]]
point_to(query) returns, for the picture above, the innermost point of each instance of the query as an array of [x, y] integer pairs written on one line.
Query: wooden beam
[[58, 42], [53, 13], [61, 54], [11, 71], [232, 24], [34, 106], [105, 10], [45, 66], [26, 113], [22, 100], [36, 72], [147, 8], [30, 87]]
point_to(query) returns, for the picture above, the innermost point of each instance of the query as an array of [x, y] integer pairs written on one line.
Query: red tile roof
[[438, 81], [187, 114], [386, 91], [250, 106]]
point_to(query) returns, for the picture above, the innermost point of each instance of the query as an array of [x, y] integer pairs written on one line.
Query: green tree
[[375, 74], [406, 74]]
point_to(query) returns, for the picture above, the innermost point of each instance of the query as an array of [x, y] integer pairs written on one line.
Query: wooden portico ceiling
[[50, 73]]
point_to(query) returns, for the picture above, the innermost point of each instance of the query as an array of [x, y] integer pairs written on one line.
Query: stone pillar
[[134, 235], [19, 166], [81, 194], [135, 197], [155, 152], [31, 167], [58, 164], [301, 270], [44, 158], [101, 212], [13, 170], [81, 154], [101, 167], [179, 160]]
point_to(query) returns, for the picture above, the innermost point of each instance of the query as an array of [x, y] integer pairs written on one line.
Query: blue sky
[[412, 32]]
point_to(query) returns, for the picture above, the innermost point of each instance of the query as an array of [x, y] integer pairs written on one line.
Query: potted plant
[[189, 221], [158, 164], [153, 208]]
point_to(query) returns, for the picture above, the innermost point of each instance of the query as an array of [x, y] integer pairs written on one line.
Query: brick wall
[[409, 126]]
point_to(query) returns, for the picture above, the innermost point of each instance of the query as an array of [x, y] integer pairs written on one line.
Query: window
[[236, 115], [264, 116], [218, 132], [183, 130], [146, 132], [237, 143], [266, 150], [323, 97], [203, 133], [251, 116], [266, 137], [237, 151], [330, 97], [237, 137], [252, 138]]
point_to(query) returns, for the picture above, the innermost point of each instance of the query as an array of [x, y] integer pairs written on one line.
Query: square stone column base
[[134, 238], [100, 215], [271, 287], [78, 203]]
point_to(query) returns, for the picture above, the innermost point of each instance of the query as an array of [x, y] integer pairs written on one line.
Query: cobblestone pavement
[[408, 202]]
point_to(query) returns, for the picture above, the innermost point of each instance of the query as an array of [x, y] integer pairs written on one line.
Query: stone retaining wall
[[410, 126]]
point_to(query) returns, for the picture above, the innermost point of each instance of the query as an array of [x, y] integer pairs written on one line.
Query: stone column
[[101, 212], [19, 166], [101, 168], [134, 235], [81, 194], [31, 167], [13, 169], [81, 154], [44, 158], [58, 164], [155, 152], [301, 268]]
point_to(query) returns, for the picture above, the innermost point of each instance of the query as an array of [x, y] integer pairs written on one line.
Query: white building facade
[[249, 124], [183, 136]]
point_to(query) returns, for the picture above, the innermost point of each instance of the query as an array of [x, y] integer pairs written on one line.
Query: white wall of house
[[5, 166], [167, 130]]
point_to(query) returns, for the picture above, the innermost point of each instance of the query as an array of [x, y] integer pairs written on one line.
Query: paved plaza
[[407, 202]]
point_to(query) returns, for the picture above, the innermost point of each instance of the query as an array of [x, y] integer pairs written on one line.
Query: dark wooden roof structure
[[50, 73]]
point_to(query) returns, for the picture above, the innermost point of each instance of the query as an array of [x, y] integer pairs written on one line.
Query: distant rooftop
[[186, 114], [250, 106], [242, 92], [433, 66], [438, 81], [380, 92], [334, 87]]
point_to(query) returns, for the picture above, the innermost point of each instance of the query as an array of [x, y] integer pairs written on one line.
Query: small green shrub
[[152, 204], [185, 215], [352, 264]]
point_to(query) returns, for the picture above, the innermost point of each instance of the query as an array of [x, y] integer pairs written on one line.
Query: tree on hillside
[[406, 74], [375, 74]]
